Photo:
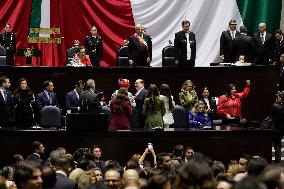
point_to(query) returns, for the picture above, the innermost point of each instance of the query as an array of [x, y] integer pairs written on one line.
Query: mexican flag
[[115, 21]]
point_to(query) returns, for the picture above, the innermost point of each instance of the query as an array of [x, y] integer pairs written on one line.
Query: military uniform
[[8, 41], [94, 46]]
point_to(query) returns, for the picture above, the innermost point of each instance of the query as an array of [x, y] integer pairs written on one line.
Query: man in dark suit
[[38, 148], [47, 97], [139, 98], [264, 45], [63, 167], [243, 45], [73, 97], [94, 46], [8, 41], [279, 45], [226, 42], [6, 106], [185, 46], [139, 48], [89, 100], [280, 84]]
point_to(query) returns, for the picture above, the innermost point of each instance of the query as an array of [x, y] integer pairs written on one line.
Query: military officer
[[94, 45], [8, 41]]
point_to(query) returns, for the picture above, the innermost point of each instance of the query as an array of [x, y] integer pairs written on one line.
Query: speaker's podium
[[86, 122]]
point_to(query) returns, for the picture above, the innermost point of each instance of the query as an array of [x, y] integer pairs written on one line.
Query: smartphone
[[150, 146]]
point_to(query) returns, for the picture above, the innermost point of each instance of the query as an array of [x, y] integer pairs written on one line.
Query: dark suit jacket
[[226, 45], [281, 79], [264, 52], [213, 106], [279, 49], [243, 45], [62, 182], [139, 53], [139, 99], [42, 100], [36, 158], [6, 110], [72, 102], [180, 46], [89, 102], [94, 47]]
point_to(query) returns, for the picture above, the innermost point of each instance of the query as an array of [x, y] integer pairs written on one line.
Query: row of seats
[[51, 117]]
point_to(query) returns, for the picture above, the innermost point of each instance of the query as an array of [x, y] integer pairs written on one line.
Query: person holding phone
[[149, 149]]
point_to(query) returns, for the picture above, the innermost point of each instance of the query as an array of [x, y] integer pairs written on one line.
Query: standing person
[[153, 108], [6, 103], [277, 115], [185, 46], [8, 41], [73, 97], [121, 111], [229, 104], [264, 45], [89, 100], [211, 106], [94, 45], [226, 42], [24, 100], [166, 96], [38, 151], [188, 96], [280, 84], [139, 48], [243, 45], [139, 98], [47, 97], [279, 48]]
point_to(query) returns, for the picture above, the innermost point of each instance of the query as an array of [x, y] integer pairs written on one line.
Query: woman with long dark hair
[[24, 104], [166, 96], [154, 108], [121, 110]]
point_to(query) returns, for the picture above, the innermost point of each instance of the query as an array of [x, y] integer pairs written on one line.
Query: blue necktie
[[5, 96], [50, 98]]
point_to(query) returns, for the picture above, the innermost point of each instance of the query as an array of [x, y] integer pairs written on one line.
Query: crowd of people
[[148, 108], [183, 168]]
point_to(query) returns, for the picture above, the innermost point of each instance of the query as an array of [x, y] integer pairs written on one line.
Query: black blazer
[[42, 100], [264, 52], [139, 53], [94, 46], [277, 115], [243, 45], [180, 46], [89, 102], [62, 182], [226, 45], [72, 102], [139, 99], [7, 115]]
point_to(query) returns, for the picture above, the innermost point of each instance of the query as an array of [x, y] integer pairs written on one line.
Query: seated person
[[198, 117], [241, 59], [81, 59], [229, 104]]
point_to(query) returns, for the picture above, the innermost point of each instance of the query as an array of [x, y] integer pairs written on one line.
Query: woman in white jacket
[[166, 96]]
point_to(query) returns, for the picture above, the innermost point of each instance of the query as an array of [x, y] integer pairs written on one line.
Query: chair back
[[168, 56], [122, 56], [50, 116], [180, 115]]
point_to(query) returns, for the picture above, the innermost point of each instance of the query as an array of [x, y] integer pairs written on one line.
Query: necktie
[[49, 98], [233, 36], [262, 38], [5, 96]]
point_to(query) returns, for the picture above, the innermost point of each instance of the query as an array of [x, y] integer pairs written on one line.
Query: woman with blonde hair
[[198, 117], [188, 96]]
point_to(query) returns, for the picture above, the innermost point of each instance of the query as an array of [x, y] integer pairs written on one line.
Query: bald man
[[140, 47], [131, 179], [264, 45], [112, 179]]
